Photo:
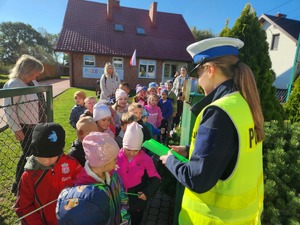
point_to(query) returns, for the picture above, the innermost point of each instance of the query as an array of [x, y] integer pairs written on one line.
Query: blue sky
[[205, 15]]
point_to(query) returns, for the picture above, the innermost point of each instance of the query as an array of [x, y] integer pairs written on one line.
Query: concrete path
[[58, 85]]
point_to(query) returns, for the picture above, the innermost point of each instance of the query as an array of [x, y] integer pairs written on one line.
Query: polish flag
[[133, 59]]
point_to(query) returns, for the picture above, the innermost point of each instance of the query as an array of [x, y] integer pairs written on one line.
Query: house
[[282, 36], [95, 33]]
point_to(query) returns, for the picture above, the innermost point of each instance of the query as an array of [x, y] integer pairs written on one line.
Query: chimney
[[280, 15], [110, 5], [153, 13]]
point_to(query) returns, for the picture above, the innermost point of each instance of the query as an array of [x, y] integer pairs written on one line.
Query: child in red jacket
[[47, 172]]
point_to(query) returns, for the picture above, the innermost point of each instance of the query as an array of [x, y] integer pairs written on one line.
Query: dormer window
[[140, 31], [119, 27]]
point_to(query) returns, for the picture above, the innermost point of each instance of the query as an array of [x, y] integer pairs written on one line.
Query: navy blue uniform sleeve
[[215, 146]]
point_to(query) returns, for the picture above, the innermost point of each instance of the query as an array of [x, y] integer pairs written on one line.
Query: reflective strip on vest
[[239, 198]]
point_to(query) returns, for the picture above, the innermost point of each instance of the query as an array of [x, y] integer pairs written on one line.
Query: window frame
[[275, 42], [149, 67], [92, 61]]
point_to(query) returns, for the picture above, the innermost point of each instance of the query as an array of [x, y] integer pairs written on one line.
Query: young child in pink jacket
[[137, 170]]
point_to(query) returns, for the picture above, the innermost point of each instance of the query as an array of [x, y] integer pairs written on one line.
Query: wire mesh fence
[[18, 113]]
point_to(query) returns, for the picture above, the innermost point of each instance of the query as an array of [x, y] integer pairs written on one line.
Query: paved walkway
[[58, 85]]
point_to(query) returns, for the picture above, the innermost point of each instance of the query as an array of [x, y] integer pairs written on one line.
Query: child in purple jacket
[[137, 170]]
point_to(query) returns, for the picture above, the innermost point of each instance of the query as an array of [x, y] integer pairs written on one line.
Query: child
[[167, 113], [126, 87], [172, 96], [140, 95], [47, 172], [98, 196], [153, 131], [137, 171], [155, 115], [137, 110], [125, 120], [120, 107], [89, 103], [78, 108], [84, 126], [102, 117]]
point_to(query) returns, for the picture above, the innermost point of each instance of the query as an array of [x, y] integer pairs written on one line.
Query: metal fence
[[10, 149]]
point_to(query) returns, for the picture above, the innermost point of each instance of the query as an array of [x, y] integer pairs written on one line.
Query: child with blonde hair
[[89, 103], [137, 171], [78, 108], [84, 126], [126, 119], [155, 114], [137, 110]]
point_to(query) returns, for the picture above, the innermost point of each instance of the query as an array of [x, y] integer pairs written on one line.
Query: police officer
[[224, 176]]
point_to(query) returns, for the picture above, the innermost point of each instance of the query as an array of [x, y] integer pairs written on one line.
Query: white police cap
[[211, 48]]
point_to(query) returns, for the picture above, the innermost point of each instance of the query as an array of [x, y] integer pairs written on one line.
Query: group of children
[[107, 177]]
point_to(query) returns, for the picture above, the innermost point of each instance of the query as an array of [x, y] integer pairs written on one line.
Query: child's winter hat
[[100, 111], [164, 90], [86, 125], [152, 84], [48, 140], [99, 148], [133, 137], [139, 88], [145, 112], [120, 93]]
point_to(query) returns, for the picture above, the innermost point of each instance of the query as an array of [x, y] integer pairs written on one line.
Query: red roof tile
[[87, 30]]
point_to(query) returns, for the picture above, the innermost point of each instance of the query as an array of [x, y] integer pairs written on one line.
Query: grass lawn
[[11, 150]]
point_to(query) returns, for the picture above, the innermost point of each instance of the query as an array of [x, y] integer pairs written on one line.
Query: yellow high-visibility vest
[[238, 199]]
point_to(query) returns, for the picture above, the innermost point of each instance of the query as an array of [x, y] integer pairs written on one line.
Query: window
[[118, 64], [147, 68], [89, 60], [275, 41], [170, 70], [119, 27], [140, 30]]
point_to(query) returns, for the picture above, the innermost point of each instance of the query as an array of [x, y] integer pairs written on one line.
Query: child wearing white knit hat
[[102, 117], [120, 107], [137, 171]]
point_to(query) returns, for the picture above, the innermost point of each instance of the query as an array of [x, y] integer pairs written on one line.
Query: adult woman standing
[[179, 81], [224, 177], [109, 82], [25, 111]]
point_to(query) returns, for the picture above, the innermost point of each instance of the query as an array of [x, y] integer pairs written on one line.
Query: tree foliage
[[255, 54], [292, 106], [19, 38], [201, 34], [281, 153]]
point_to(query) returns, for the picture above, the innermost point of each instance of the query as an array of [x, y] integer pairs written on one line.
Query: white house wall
[[282, 58]]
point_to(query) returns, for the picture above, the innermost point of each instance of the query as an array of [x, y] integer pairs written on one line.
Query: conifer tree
[[255, 54], [292, 106]]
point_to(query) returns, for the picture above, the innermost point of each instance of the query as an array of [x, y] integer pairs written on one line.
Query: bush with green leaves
[[281, 156], [292, 107]]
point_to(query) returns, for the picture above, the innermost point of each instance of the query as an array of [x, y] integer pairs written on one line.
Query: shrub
[[292, 107], [281, 156]]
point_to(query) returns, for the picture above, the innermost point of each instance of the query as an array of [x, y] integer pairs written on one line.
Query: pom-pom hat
[[99, 148], [48, 140]]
